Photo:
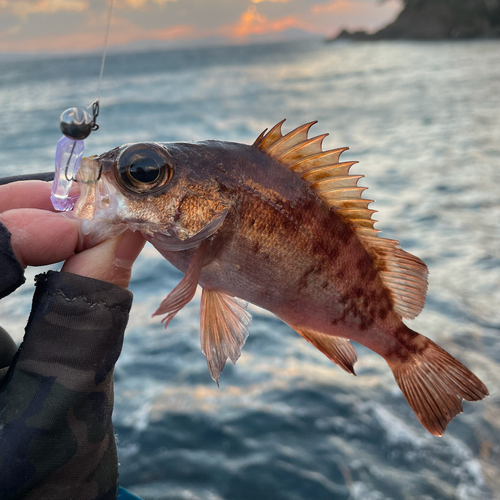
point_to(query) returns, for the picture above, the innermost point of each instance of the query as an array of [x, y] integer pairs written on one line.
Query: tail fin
[[434, 384]]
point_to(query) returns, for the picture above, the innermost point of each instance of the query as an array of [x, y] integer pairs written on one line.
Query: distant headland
[[438, 20]]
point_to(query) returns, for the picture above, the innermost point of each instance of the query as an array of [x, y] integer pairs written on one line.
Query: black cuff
[[11, 272], [76, 321]]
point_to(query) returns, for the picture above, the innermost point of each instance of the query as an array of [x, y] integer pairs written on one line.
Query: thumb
[[109, 261]]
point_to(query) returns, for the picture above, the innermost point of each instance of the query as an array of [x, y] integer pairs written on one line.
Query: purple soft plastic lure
[[68, 157], [76, 125]]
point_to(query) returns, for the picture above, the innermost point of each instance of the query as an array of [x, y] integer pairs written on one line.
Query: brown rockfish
[[281, 224]]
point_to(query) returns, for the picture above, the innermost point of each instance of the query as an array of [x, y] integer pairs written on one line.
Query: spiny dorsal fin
[[403, 274]]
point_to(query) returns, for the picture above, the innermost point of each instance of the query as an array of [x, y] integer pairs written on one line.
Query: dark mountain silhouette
[[439, 19]]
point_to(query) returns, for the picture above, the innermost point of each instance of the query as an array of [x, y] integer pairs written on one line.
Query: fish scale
[[281, 224]]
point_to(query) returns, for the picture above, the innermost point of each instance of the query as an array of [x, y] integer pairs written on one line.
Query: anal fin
[[337, 349], [223, 329]]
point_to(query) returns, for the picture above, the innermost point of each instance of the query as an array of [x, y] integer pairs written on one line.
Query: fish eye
[[142, 168]]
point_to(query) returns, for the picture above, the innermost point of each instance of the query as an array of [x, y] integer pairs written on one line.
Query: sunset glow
[[23, 8], [69, 25], [253, 23]]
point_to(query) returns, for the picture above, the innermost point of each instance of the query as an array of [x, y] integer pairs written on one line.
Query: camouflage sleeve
[[11, 272], [56, 434], [11, 277]]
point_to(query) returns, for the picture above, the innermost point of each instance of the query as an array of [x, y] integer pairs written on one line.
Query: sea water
[[423, 119]]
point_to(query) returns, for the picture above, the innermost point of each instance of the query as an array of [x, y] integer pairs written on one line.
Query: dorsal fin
[[404, 275]]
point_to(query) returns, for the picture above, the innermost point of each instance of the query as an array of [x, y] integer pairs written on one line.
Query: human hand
[[41, 236]]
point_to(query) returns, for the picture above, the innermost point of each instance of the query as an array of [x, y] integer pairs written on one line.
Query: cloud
[[369, 15], [338, 6], [134, 4], [173, 33], [139, 4], [252, 22], [345, 7], [59, 25], [272, 1], [24, 8], [123, 33]]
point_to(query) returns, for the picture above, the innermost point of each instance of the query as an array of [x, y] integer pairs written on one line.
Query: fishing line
[[105, 49], [76, 125]]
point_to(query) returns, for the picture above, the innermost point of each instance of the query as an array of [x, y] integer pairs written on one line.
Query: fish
[[281, 224]]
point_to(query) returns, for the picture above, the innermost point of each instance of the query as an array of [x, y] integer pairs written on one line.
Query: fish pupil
[[144, 170]]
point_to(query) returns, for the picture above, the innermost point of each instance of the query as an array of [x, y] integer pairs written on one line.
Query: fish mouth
[[97, 204], [87, 178], [97, 195]]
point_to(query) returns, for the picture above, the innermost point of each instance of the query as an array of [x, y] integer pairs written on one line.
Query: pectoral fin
[[185, 290], [224, 329], [171, 242], [338, 349]]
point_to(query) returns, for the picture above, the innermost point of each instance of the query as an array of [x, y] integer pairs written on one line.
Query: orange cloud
[[126, 32], [273, 1], [138, 4], [343, 7], [337, 6], [75, 41], [123, 32], [253, 23], [134, 4], [174, 33], [24, 8]]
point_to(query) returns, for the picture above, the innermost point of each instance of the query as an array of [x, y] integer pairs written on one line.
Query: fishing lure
[[76, 125]]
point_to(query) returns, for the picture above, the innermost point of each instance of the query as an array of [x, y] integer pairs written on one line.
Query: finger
[[110, 260], [28, 194], [40, 237], [25, 194]]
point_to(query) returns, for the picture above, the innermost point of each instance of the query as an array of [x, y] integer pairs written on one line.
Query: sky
[[79, 25]]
